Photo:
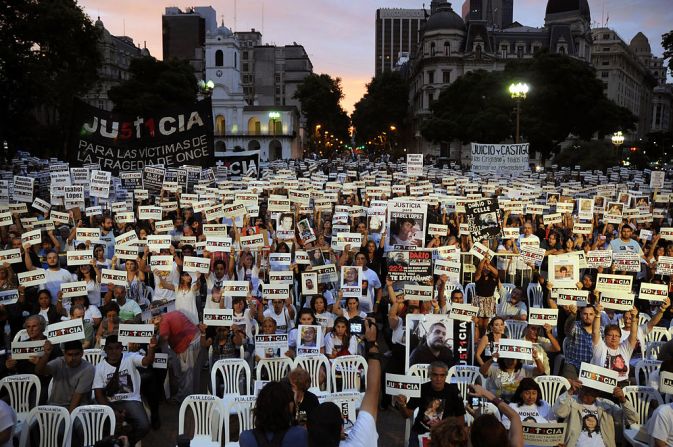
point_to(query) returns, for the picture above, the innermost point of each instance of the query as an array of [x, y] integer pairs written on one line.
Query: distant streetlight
[[206, 88], [393, 128], [518, 92], [617, 140]]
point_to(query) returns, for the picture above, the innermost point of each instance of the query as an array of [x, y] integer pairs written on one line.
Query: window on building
[[536, 48], [503, 51], [605, 63], [275, 127], [519, 51], [606, 36], [605, 74], [254, 126], [220, 126], [606, 49], [447, 48], [245, 66], [245, 56], [219, 58], [477, 51], [432, 48], [431, 77], [562, 49], [446, 76]]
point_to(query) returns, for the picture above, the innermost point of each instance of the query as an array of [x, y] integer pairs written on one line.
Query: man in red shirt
[[187, 352]]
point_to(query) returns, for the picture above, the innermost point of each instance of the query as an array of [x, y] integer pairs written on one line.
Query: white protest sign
[[135, 333], [127, 238], [463, 312], [617, 300], [11, 256], [309, 339], [599, 258], [532, 255], [420, 293], [79, 257], [271, 345], [438, 230], [65, 331], [502, 158], [235, 288], [657, 179], [32, 277], [114, 277], [158, 242], [126, 252], [510, 233], [626, 261], [606, 281], [87, 234], [572, 297], [6, 219], [398, 384], [160, 360], [9, 297], [480, 250], [163, 263], [196, 265], [510, 348], [653, 292], [598, 378], [282, 277], [666, 233], [31, 237], [352, 239], [24, 350], [217, 244], [276, 291], [415, 165], [539, 317], [71, 289], [218, 317], [252, 241], [665, 382], [665, 265], [544, 435]]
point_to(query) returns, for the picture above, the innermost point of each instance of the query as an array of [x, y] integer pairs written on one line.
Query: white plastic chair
[[93, 419], [276, 368], [643, 318], [420, 370], [49, 419], [515, 328], [21, 335], [658, 334], [407, 427], [552, 387], [93, 356], [641, 398], [646, 368], [534, 293], [207, 411], [507, 288], [463, 376], [242, 408], [488, 408], [469, 293], [313, 363], [22, 398], [349, 366], [230, 370], [652, 349]]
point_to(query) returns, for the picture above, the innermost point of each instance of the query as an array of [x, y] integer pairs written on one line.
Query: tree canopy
[[565, 98], [385, 104], [153, 86], [667, 43], [48, 54]]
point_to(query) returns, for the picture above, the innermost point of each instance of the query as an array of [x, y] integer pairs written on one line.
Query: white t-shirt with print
[[614, 359], [129, 377], [590, 438]]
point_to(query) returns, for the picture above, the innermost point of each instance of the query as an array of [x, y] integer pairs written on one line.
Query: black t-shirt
[[307, 405], [434, 406], [485, 286]]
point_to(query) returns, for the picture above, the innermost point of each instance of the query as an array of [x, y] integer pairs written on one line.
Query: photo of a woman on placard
[[591, 432]]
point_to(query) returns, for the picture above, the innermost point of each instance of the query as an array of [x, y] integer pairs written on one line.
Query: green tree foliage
[[565, 98], [154, 85], [667, 43], [320, 97], [597, 154], [48, 54], [384, 104]]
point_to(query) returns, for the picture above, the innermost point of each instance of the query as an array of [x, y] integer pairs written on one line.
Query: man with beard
[[55, 275], [107, 235], [434, 349]]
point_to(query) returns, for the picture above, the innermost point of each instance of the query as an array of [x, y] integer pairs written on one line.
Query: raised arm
[[370, 402], [596, 328]]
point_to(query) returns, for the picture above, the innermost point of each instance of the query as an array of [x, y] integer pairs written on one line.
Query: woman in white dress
[[185, 297]]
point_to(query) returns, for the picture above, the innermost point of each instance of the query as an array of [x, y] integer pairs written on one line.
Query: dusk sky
[[339, 34]]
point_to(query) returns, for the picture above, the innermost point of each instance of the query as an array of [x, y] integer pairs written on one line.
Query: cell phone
[[356, 328], [476, 402]]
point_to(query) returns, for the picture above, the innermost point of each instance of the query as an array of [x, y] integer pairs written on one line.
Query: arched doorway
[[275, 150], [254, 126], [220, 125], [220, 146], [253, 145]]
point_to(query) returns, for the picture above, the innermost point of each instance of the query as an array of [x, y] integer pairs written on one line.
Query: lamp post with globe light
[[206, 88], [617, 140], [518, 92]]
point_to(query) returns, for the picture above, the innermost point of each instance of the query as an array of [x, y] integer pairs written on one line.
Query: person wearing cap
[[72, 377], [590, 418]]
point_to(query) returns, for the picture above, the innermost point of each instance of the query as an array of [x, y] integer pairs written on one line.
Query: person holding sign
[[542, 345], [339, 341], [185, 296], [55, 275], [503, 375], [439, 400], [527, 402], [590, 419], [485, 282], [117, 384], [580, 336], [612, 353]]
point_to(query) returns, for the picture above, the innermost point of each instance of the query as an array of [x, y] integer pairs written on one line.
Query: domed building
[[450, 46]]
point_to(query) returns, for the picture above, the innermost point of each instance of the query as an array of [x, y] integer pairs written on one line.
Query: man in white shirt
[[660, 424], [523, 270], [55, 276]]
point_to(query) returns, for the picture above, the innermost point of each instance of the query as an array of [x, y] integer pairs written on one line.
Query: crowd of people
[[563, 274]]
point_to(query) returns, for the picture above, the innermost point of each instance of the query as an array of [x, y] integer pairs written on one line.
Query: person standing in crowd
[[580, 337], [129, 311], [485, 283], [610, 351]]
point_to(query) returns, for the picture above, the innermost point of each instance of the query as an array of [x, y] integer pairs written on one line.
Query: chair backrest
[[469, 292], [349, 367], [93, 419], [463, 376], [552, 387], [49, 420], [534, 293], [507, 289], [652, 349], [643, 318], [93, 356], [242, 407], [24, 393], [641, 398], [21, 335], [276, 368], [644, 368], [230, 370], [515, 328], [313, 364], [207, 411], [420, 370], [487, 408], [658, 334]]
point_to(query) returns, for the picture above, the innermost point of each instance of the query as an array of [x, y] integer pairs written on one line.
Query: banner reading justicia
[[505, 158], [117, 143]]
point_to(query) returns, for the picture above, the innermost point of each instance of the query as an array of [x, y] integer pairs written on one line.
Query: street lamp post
[[206, 88], [518, 92], [617, 140]]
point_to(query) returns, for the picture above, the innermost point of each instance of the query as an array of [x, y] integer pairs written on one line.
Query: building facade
[[184, 34], [117, 52], [449, 47], [497, 14], [248, 40], [397, 32]]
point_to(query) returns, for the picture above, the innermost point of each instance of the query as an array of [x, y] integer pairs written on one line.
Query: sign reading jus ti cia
[[160, 360], [275, 291], [617, 300], [215, 244], [114, 277], [163, 263], [32, 277], [72, 289], [515, 349], [127, 238], [613, 282], [548, 434], [218, 317], [79, 257], [398, 384], [196, 265], [24, 350], [252, 241], [235, 288], [87, 234], [539, 316], [157, 242], [598, 378], [12, 256], [463, 312], [599, 258], [653, 292], [31, 237], [66, 331], [135, 333], [126, 252], [420, 293]]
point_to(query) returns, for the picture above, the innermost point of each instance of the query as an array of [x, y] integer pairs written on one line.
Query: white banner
[[409, 386], [653, 292], [539, 317], [218, 317], [572, 297], [24, 350], [545, 435], [601, 379], [463, 312], [510, 348], [32, 277], [135, 333], [617, 300], [502, 158], [65, 331]]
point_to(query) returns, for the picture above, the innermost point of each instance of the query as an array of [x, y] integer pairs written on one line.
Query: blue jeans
[[135, 416]]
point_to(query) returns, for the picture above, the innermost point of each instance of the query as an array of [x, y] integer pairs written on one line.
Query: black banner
[[240, 164], [483, 218], [126, 143]]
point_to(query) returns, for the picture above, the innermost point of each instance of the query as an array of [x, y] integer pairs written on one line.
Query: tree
[[384, 105], [596, 154], [320, 96], [48, 54], [565, 98], [667, 43], [154, 85]]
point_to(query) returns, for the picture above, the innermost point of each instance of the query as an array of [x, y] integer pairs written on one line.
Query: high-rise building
[[278, 73], [397, 32], [497, 14], [248, 40], [626, 79], [116, 52], [184, 34]]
